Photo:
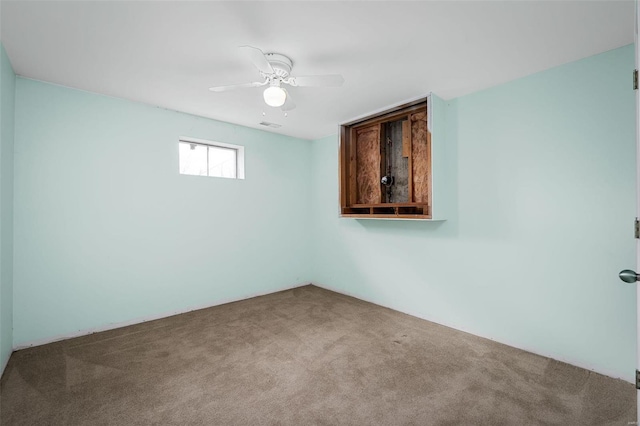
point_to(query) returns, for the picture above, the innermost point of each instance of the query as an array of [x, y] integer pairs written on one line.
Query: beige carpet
[[300, 357]]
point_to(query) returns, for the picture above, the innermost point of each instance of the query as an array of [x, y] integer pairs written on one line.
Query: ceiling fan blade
[[237, 86], [331, 80], [259, 60], [288, 103]]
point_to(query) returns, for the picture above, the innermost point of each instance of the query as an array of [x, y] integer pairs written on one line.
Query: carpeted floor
[[306, 356]]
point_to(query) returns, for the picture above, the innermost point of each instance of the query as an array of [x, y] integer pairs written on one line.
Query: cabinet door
[[368, 162]]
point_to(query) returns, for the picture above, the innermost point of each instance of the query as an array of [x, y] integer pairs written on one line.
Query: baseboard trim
[[458, 328], [139, 320]]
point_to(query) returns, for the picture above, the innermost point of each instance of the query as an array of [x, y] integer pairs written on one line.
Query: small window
[[215, 159]]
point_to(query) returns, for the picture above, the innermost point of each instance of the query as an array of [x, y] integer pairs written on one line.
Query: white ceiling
[[169, 53]]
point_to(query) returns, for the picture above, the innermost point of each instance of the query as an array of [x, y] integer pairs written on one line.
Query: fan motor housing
[[280, 64]]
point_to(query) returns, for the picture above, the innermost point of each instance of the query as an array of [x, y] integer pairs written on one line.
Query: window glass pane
[[193, 159], [222, 162]]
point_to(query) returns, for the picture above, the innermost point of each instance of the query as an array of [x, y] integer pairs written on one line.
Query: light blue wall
[[7, 99], [107, 231], [543, 171], [543, 178]]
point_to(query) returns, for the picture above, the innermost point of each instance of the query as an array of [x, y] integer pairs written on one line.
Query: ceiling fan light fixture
[[275, 70], [274, 96]]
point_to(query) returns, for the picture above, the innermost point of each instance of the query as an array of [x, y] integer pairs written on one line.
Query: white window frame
[[238, 148]]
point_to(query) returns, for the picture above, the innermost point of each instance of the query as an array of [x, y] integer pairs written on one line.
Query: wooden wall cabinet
[[390, 163]]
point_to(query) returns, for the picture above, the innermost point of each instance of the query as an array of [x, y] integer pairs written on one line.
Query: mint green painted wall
[[7, 99], [107, 231], [543, 178], [542, 172]]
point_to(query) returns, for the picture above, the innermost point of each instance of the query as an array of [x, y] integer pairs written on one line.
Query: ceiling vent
[[272, 125]]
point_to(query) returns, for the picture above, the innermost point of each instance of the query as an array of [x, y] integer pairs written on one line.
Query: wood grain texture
[[352, 184], [368, 164], [364, 162], [406, 138], [420, 157]]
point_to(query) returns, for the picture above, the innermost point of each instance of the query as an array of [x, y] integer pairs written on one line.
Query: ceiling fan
[[275, 70]]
